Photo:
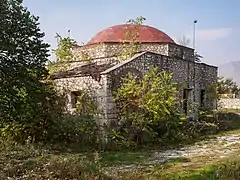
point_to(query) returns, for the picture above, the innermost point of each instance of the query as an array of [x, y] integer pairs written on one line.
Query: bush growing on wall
[[87, 104], [148, 106]]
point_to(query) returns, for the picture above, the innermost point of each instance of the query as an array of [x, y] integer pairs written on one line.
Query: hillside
[[230, 70]]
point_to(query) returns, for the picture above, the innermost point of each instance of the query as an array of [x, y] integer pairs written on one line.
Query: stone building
[[104, 65]]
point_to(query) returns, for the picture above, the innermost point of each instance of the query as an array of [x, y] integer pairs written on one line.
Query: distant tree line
[[227, 86]]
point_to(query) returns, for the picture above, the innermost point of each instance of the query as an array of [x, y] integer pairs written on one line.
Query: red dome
[[119, 33]]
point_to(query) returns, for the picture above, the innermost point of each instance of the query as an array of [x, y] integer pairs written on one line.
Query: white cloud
[[205, 35], [212, 34]]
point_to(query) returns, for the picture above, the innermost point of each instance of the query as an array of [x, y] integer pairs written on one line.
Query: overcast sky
[[217, 34]]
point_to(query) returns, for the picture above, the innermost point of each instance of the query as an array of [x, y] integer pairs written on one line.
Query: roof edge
[[123, 63], [147, 52]]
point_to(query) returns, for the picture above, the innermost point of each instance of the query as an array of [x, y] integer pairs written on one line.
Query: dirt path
[[202, 152]]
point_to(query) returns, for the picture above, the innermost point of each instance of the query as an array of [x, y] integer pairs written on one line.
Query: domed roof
[[119, 33]]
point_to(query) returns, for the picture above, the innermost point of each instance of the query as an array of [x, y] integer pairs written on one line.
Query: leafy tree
[[131, 46], [65, 54], [25, 94], [63, 51], [148, 104], [227, 86]]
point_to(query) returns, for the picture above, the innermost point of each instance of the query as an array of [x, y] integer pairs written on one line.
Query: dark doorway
[[185, 100], [202, 97], [74, 98]]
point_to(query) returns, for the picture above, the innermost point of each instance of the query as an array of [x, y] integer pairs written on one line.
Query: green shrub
[[27, 100], [41, 128], [147, 108], [75, 129]]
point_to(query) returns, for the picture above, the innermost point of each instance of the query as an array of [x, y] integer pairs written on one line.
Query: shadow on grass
[[231, 118], [222, 122], [125, 158]]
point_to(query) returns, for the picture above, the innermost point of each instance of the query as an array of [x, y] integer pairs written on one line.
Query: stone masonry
[[105, 66], [229, 103]]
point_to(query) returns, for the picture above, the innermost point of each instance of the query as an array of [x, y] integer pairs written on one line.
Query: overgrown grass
[[31, 162], [206, 172], [64, 162], [125, 158], [227, 169], [36, 162]]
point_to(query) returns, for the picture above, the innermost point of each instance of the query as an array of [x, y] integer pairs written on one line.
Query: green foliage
[[227, 170], [227, 86], [76, 130], [63, 51], [156, 94], [126, 157], [29, 104], [65, 55], [35, 162], [87, 104], [148, 106], [41, 128], [230, 169], [138, 21], [22, 62], [211, 95], [131, 45]]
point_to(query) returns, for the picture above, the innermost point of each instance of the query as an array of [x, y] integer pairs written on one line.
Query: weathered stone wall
[[229, 103], [187, 73], [170, 57], [69, 85], [182, 52], [107, 52], [104, 60]]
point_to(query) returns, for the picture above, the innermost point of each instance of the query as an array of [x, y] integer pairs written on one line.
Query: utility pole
[[194, 34], [194, 67], [69, 33]]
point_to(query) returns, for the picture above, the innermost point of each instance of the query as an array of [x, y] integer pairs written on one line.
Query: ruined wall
[[229, 103], [107, 52], [208, 82], [103, 50], [182, 52], [69, 85], [170, 57], [183, 72]]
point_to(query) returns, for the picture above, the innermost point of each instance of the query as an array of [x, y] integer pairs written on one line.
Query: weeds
[[32, 162]]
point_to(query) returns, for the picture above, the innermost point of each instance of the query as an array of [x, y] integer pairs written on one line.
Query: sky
[[217, 28]]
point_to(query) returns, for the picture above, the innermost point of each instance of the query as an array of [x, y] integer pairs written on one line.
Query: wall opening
[[202, 97], [84, 103], [74, 99], [185, 100]]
